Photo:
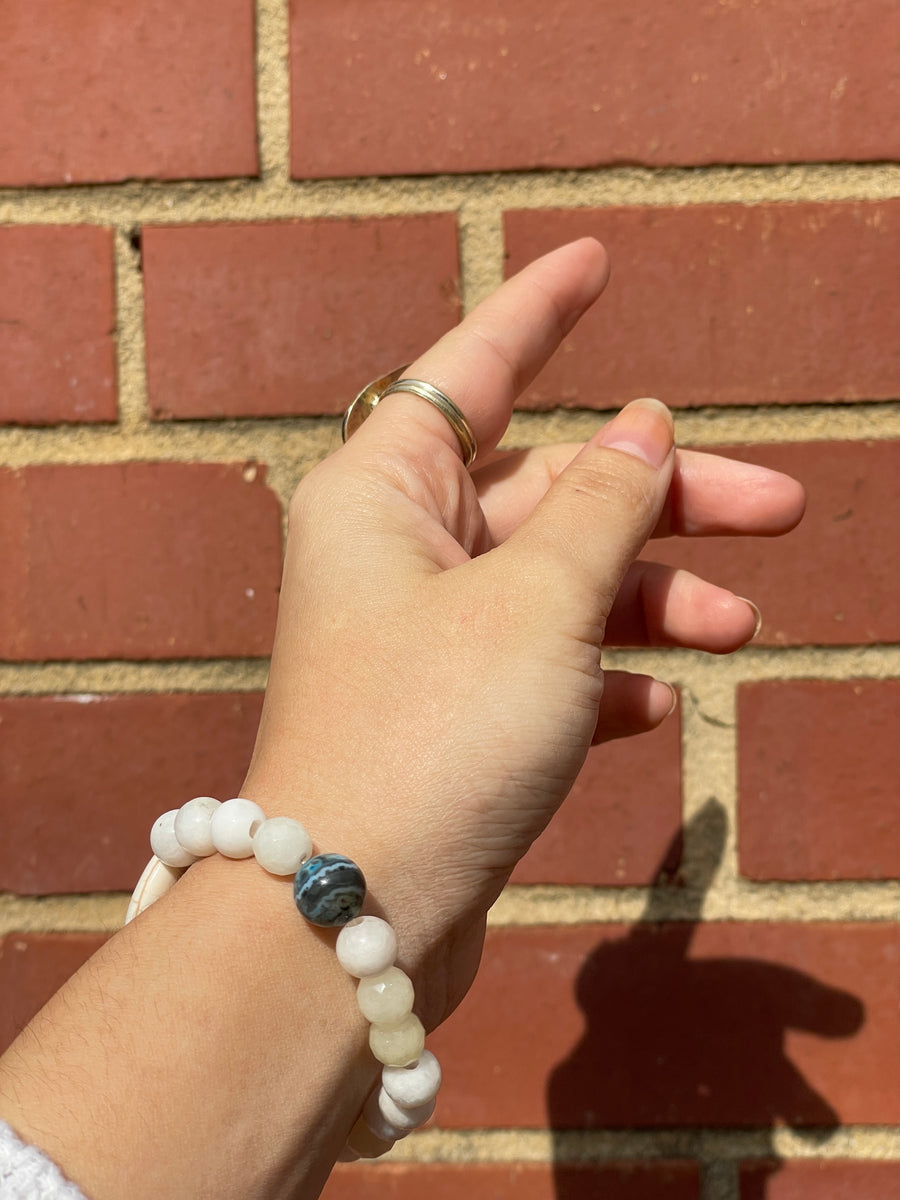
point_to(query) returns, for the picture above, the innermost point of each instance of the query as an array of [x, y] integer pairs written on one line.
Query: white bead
[[233, 825], [398, 1045], [377, 1122], [192, 825], [281, 844], [366, 946], [155, 881], [386, 998], [412, 1086], [400, 1117], [164, 843]]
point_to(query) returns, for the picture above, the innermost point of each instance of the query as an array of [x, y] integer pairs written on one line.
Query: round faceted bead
[[281, 845], [192, 825], [165, 844], [399, 1116], [233, 825], [398, 1045], [411, 1086], [366, 946], [329, 890], [385, 999]]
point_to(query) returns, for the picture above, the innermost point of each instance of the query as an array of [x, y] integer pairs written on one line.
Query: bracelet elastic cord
[[329, 891]]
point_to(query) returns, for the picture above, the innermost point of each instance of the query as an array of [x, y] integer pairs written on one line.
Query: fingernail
[[642, 429], [663, 694], [756, 614]]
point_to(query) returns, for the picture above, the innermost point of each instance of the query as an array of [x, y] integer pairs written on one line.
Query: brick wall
[[216, 222]]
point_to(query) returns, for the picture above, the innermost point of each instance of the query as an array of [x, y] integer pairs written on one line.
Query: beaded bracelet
[[329, 891]]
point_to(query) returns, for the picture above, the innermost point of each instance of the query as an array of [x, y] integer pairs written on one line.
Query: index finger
[[485, 362], [709, 495]]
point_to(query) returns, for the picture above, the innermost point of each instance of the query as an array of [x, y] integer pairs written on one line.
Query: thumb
[[596, 517]]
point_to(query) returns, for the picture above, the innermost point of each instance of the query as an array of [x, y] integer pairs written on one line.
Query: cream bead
[[153, 883], [164, 843], [233, 824], [280, 845], [398, 1045], [386, 998], [366, 946], [402, 1118], [412, 1086], [363, 1142], [192, 825]]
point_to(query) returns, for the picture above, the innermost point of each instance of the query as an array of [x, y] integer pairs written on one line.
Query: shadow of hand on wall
[[678, 1042]]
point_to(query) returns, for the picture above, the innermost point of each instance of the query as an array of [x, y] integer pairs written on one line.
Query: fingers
[[484, 362], [631, 704], [663, 606], [708, 495], [594, 520]]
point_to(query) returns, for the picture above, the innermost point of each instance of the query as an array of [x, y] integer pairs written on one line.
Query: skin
[[435, 685]]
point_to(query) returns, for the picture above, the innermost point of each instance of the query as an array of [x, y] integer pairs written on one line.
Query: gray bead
[[329, 890]]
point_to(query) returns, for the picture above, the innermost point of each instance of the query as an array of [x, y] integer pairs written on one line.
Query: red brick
[[78, 820], [833, 580], [719, 304], [57, 321], [496, 85], [139, 560], [619, 820], [818, 770], [718, 1025], [32, 967], [104, 90], [525, 1181], [828, 1180], [291, 317]]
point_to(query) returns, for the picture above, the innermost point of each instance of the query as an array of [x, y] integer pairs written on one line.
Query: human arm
[[435, 683]]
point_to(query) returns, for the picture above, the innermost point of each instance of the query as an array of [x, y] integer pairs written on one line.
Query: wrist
[[440, 931]]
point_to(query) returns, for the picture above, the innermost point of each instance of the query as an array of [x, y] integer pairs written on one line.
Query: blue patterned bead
[[329, 890]]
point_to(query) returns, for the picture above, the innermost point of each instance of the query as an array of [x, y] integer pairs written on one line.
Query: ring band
[[394, 382], [445, 407]]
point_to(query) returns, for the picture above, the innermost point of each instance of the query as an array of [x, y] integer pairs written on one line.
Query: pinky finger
[[632, 704]]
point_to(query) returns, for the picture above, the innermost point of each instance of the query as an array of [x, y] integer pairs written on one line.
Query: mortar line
[[708, 777], [481, 251], [752, 664], [130, 347], [858, 1143], [273, 93], [872, 420], [117, 676], [828, 902], [275, 196], [719, 1181]]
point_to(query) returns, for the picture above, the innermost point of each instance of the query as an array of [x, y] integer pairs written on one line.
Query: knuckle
[[612, 481]]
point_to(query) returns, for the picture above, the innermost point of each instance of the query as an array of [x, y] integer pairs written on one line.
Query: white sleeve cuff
[[27, 1174]]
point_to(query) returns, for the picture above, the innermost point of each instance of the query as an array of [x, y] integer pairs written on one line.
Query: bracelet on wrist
[[329, 891]]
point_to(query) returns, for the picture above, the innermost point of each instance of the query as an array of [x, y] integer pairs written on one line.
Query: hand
[[436, 679]]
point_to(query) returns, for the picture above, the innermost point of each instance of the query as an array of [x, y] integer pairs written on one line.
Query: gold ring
[[394, 382]]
